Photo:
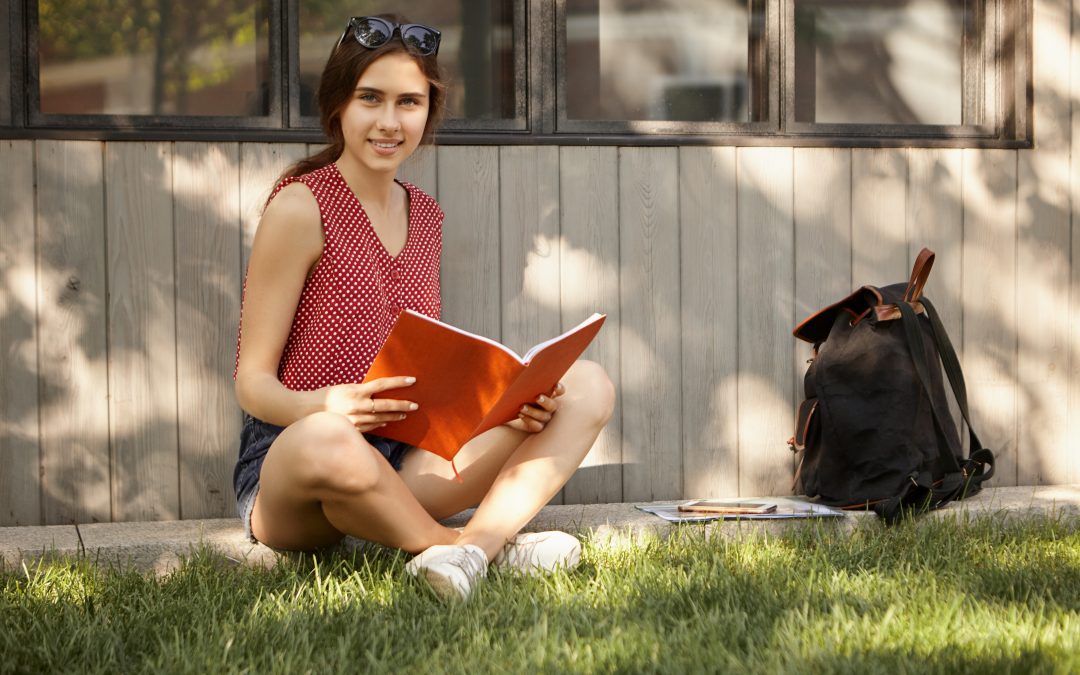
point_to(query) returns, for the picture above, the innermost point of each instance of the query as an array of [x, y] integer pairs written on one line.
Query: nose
[[388, 119]]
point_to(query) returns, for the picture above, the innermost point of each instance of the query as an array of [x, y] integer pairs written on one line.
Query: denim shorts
[[257, 436]]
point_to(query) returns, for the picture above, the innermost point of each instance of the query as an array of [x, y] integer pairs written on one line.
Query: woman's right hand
[[358, 403]]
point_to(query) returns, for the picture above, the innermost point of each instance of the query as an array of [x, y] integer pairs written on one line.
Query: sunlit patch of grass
[[951, 595]]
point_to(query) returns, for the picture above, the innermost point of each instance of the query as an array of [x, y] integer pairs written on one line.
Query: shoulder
[[292, 220], [423, 203], [294, 199]]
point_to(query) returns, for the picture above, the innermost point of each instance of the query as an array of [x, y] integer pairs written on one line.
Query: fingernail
[[401, 416], [410, 380], [413, 406]]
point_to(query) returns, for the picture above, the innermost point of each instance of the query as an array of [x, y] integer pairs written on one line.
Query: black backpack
[[875, 431]]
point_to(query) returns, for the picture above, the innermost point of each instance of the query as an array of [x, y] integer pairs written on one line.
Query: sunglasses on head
[[373, 32]]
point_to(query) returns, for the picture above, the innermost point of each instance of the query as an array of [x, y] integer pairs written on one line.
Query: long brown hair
[[346, 64]]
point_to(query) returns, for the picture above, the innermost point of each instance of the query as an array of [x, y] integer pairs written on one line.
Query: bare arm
[[286, 249], [287, 246]]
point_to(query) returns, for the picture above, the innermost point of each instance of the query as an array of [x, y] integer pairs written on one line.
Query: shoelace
[[469, 563]]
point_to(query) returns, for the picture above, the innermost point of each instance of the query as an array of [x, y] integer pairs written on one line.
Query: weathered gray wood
[[936, 220], [207, 220], [73, 383], [142, 331], [529, 234], [469, 195], [989, 299], [20, 483], [766, 314], [261, 164], [822, 208], [1043, 263], [422, 170], [529, 217], [589, 269], [878, 237], [651, 346], [710, 301], [1070, 455]]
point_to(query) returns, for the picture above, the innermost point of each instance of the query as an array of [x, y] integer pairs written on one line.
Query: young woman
[[341, 248]]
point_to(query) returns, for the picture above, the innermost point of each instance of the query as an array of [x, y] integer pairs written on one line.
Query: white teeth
[[384, 145]]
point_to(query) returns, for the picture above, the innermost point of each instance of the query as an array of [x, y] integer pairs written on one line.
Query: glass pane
[[879, 61], [685, 60], [476, 52], [154, 57]]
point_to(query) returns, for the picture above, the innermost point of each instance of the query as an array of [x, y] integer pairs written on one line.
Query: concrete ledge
[[160, 547]]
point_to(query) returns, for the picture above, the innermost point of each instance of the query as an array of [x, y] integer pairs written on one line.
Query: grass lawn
[[979, 595]]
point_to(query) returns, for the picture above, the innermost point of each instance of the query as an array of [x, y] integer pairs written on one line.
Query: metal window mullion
[[542, 87], [774, 35]]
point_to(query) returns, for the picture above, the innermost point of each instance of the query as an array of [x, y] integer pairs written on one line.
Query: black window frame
[[540, 113]]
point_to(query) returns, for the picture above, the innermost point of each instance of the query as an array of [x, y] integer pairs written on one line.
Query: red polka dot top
[[349, 304]]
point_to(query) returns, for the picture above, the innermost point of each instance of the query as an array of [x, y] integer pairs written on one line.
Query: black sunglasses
[[373, 32]]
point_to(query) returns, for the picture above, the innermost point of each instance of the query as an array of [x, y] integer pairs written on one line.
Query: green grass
[[984, 595]]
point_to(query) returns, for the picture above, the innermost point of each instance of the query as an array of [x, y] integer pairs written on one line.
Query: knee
[[338, 460], [590, 392]]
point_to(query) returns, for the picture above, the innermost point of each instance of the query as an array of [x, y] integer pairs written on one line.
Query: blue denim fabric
[[257, 436]]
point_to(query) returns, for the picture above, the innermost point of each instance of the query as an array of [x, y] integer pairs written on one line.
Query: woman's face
[[384, 121]]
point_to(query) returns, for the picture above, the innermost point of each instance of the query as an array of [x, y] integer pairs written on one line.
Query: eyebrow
[[373, 90]]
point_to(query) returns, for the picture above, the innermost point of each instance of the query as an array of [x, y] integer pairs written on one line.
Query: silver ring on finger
[[372, 406]]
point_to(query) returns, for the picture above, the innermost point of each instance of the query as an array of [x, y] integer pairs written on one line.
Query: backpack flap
[[815, 328]]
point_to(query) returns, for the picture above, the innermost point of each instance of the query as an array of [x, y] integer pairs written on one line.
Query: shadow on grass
[[982, 597]]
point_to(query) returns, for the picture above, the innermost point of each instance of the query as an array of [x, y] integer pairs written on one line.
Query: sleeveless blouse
[[350, 302]]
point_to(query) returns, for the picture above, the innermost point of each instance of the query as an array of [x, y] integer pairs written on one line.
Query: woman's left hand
[[534, 417]]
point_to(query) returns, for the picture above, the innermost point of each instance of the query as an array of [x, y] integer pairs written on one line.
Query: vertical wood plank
[[822, 213], [589, 269], [1043, 261], [260, 166], [708, 222], [878, 239], [650, 309], [1070, 457], [989, 299], [935, 220], [766, 313], [529, 236], [73, 384], [468, 178], [20, 486], [207, 221], [422, 170], [142, 331]]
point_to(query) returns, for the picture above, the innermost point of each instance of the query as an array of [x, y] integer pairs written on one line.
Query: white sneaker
[[538, 552], [451, 571]]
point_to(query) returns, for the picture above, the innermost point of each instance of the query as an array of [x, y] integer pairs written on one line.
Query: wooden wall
[[121, 267]]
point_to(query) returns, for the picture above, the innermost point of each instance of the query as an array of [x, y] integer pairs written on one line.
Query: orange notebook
[[467, 384]]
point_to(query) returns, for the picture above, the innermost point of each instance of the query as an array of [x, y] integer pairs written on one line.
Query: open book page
[[581, 326], [475, 336]]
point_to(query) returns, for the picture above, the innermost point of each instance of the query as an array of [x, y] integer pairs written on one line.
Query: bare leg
[[322, 480], [512, 474]]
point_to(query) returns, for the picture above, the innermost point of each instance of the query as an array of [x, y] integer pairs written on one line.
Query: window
[[537, 71]]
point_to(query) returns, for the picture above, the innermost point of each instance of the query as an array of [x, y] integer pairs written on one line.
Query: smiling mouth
[[386, 145]]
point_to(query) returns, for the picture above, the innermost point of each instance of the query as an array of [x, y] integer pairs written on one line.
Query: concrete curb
[[160, 547]]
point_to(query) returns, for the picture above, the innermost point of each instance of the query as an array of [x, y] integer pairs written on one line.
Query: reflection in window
[[685, 60], [476, 53], [879, 61], [154, 57]]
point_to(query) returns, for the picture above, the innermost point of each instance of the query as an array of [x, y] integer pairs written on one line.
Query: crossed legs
[[322, 480]]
